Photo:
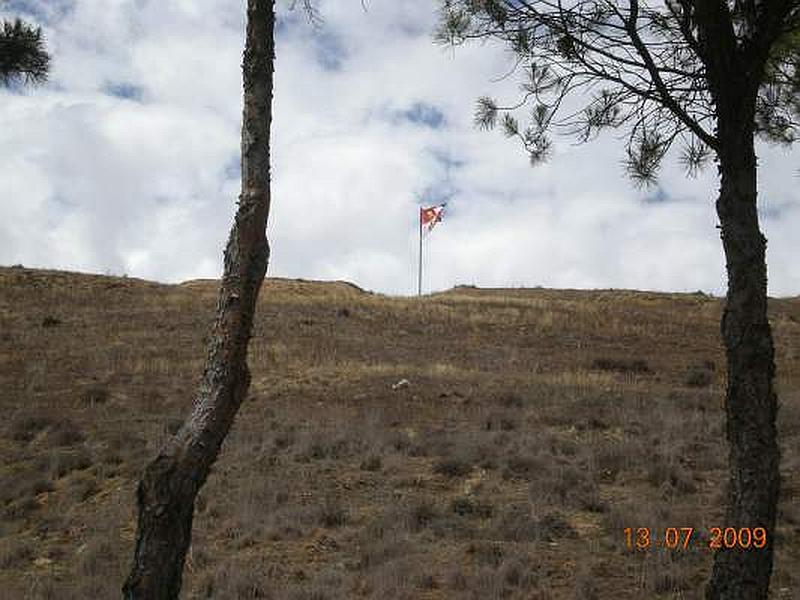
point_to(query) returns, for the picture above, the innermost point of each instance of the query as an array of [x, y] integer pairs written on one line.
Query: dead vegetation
[[536, 426]]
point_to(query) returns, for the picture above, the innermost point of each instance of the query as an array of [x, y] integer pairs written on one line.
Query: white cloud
[[147, 185]]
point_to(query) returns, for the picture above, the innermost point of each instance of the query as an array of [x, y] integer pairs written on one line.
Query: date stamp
[[683, 538]]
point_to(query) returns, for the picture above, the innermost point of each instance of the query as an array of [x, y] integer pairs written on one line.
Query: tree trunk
[[169, 485], [750, 402]]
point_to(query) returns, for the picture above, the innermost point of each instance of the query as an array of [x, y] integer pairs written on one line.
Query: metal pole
[[419, 281]]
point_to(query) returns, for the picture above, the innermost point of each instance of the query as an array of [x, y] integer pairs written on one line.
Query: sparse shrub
[[400, 442], [452, 467], [173, 425], [554, 526], [14, 553], [63, 462], [48, 589], [19, 492], [314, 591], [372, 463], [430, 443], [126, 440], [331, 513], [559, 446], [420, 514], [664, 571], [47, 524], [455, 579], [40, 486], [426, 581], [56, 553], [588, 498], [511, 400], [487, 582], [611, 458], [699, 377], [500, 421], [394, 579], [378, 551], [235, 581], [112, 459], [662, 472], [618, 365], [233, 531], [321, 445], [520, 572], [64, 433], [95, 394], [51, 321], [124, 453], [25, 427], [591, 424], [486, 553], [470, 507], [283, 440], [21, 508], [200, 557], [250, 537], [620, 516], [95, 556], [567, 486], [586, 584], [83, 486], [516, 524], [452, 526], [522, 467]]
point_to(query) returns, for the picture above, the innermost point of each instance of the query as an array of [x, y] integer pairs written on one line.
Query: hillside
[[536, 425]]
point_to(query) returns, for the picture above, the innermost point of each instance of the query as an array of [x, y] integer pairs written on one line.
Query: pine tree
[[169, 486], [705, 75], [22, 54]]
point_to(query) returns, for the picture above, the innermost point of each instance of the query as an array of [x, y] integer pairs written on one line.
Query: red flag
[[429, 217]]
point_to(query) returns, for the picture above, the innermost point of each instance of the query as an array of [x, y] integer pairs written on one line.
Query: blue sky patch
[[657, 196], [124, 89], [423, 114], [43, 12], [446, 159], [329, 49], [233, 168], [284, 22]]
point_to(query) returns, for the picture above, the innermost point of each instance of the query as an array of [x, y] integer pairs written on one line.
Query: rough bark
[[735, 70], [750, 402], [170, 483]]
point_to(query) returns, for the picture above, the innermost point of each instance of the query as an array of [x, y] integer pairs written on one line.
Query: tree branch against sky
[[640, 67], [708, 76]]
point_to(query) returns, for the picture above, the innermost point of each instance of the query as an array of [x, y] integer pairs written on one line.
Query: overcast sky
[[127, 161]]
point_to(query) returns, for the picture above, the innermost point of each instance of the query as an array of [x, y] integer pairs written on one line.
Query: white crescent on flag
[[429, 217]]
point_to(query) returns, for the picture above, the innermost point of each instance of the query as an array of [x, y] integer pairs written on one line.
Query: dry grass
[[536, 426]]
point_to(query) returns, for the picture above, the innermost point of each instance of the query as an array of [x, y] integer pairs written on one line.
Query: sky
[[127, 161]]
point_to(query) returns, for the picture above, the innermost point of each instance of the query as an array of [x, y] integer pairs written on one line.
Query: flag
[[429, 217]]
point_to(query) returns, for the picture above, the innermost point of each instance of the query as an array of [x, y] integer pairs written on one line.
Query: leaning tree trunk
[[750, 402], [169, 485]]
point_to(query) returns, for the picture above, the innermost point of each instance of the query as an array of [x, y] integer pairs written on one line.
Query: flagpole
[[419, 280]]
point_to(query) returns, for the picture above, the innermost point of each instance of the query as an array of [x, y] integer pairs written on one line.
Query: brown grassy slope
[[537, 425]]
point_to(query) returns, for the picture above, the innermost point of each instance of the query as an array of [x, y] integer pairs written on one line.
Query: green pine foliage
[[590, 65], [22, 53]]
